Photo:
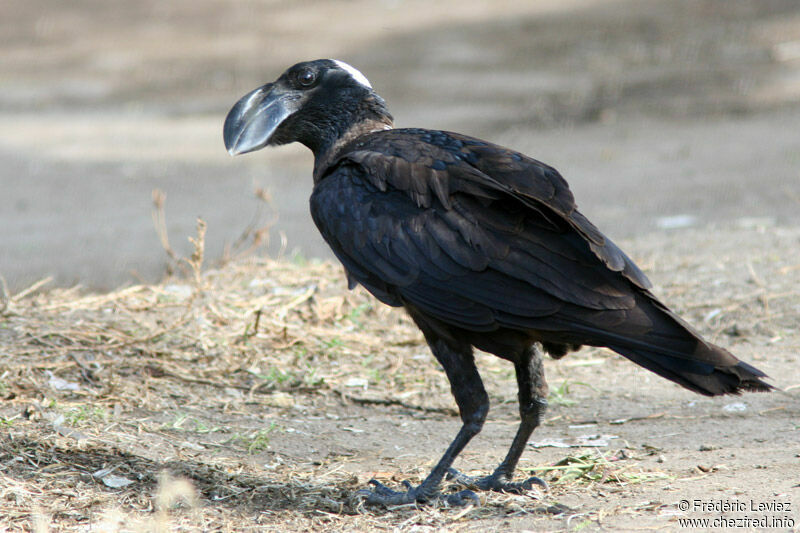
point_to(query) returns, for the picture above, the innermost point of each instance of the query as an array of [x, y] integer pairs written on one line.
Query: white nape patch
[[354, 73]]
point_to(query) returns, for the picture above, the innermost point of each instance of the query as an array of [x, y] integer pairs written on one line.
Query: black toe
[[380, 494], [494, 482]]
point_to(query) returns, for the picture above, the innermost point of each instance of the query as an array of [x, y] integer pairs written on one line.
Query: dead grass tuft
[[170, 406]]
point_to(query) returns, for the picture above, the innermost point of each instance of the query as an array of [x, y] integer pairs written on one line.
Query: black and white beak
[[252, 121]]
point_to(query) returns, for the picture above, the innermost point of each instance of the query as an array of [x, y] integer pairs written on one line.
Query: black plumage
[[483, 246]]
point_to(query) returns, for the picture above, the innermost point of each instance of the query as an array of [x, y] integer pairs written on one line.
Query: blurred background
[[661, 114]]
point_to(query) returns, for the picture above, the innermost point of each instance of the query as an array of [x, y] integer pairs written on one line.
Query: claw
[[462, 498], [533, 480], [380, 489], [380, 494], [459, 478], [494, 482]]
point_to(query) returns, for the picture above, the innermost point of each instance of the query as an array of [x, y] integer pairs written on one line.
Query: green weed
[[183, 422], [353, 316], [595, 467], [84, 414], [256, 441]]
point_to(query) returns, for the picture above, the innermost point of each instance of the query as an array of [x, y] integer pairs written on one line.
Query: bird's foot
[[495, 482], [383, 495]]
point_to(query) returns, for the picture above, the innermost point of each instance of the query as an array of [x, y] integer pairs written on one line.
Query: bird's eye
[[306, 78]]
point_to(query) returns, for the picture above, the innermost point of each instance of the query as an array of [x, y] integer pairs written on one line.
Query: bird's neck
[[327, 153]]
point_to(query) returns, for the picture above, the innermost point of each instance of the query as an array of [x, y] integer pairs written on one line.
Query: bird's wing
[[536, 182], [459, 232], [430, 164]]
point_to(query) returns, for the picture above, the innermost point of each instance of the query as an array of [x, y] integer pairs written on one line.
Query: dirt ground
[[261, 396], [258, 394], [651, 109]]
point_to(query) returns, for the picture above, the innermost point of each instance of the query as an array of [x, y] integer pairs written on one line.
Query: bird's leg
[[532, 404], [473, 405]]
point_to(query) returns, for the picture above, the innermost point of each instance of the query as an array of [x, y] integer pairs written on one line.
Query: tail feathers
[[654, 337], [697, 376], [673, 349]]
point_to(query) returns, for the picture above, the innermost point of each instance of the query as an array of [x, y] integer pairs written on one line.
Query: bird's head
[[315, 103]]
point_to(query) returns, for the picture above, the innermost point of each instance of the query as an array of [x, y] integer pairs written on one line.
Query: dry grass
[[158, 407], [84, 374]]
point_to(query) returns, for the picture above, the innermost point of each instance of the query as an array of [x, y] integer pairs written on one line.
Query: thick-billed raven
[[483, 246]]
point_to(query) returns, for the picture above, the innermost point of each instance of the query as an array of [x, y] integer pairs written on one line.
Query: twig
[[306, 295], [33, 288], [256, 231], [199, 243], [5, 299], [248, 332], [160, 222], [398, 403]]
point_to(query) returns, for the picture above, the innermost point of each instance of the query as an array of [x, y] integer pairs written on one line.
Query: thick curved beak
[[255, 117]]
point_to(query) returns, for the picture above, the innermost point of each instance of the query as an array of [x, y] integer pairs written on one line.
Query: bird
[[485, 249]]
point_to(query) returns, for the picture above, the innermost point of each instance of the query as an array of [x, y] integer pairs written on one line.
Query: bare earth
[[650, 109], [260, 395], [277, 394]]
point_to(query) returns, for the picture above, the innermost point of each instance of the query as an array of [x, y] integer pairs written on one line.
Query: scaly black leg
[[473, 403], [532, 404]]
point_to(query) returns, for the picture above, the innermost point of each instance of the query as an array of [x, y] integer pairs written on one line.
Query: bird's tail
[[657, 339], [704, 378]]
